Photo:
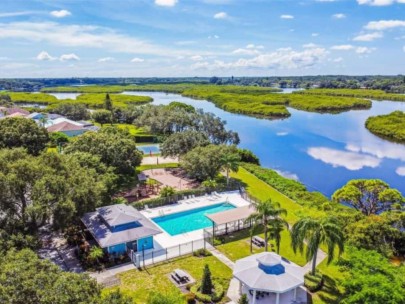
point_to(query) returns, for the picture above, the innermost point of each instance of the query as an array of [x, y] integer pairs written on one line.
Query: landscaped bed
[[139, 284]]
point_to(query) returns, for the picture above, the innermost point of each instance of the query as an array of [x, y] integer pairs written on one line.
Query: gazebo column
[[254, 296], [295, 293], [277, 298]]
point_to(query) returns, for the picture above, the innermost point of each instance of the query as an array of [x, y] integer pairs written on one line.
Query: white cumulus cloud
[[339, 16], [379, 2], [60, 14], [285, 58], [364, 50], [196, 58], [287, 17], [136, 60], [368, 37], [384, 25], [400, 171], [221, 15], [343, 47], [166, 2], [44, 56], [69, 57], [106, 59]]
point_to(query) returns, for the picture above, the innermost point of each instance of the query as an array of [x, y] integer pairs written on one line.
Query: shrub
[[313, 282], [190, 298], [243, 299], [202, 253], [206, 282], [216, 295], [167, 191]]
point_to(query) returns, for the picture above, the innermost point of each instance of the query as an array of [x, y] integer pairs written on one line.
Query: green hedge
[[216, 296], [313, 282], [291, 188]]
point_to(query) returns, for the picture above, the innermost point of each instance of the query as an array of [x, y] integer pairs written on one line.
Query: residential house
[[120, 228]]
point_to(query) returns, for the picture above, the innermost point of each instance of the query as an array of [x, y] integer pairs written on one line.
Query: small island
[[390, 126]]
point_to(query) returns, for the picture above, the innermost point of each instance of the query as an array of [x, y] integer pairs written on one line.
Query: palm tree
[[276, 226], [265, 212], [96, 253], [230, 162], [315, 232]]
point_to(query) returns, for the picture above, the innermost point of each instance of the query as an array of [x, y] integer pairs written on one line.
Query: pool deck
[[164, 240]]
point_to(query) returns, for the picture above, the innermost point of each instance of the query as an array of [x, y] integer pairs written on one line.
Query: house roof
[[17, 114], [62, 119], [268, 271], [10, 111], [105, 237], [231, 215], [34, 115], [119, 214], [64, 126]]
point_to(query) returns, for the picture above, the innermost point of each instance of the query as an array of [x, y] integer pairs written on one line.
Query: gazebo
[[268, 278]]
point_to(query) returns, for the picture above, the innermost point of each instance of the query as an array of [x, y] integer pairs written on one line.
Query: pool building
[[121, 228]]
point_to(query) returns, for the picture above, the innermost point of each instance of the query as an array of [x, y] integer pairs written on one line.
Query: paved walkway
[[109, 273], [233, 290], [155, 160], [319, 258]]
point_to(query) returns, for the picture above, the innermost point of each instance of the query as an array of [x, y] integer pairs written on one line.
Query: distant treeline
[[392, 84]]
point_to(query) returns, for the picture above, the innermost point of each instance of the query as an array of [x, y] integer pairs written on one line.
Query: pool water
[[190, 220], [147, 149]]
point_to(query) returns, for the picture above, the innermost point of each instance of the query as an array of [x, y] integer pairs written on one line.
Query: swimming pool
[[147, 149], [190, 220]]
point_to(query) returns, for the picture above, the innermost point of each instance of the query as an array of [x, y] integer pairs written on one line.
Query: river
[[323, 151]]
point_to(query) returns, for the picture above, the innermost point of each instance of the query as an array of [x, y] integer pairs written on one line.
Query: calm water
[[147, 149], [65, 95], [323, 151], [190, 220]]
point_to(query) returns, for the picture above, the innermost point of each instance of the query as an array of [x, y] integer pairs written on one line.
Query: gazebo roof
[[268, 271]]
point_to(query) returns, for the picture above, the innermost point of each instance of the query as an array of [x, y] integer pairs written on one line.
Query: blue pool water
[[147, 149], [190, 220]]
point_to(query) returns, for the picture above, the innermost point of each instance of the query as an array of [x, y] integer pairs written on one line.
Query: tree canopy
[[102, 117], [372, 279], [166, 120], [114, 147], [25, 279], [370, 196], [34, 190], [22, 132], [180, 143], [74, 111], [206, 162]]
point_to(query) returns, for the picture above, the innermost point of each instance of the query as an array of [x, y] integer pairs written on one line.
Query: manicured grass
[[132, 129], [263, 191], [240, 248], [330, 292], [138, 284]]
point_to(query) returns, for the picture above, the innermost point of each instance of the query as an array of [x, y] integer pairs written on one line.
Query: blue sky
[[145, 38]]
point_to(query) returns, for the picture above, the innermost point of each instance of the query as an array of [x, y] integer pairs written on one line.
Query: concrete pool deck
[[165, 240]]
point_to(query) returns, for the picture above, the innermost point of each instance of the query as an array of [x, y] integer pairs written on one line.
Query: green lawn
[[240, 248], [263, 191], [132, 129], [138, 284], [330, 293]]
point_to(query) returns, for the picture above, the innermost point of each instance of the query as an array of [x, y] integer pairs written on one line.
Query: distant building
[[67, 128], [120, 228]]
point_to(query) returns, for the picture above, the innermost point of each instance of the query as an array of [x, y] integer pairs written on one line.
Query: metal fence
[[150, 257]]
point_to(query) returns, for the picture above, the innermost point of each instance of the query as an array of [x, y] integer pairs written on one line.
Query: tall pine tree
[[108, 103], [206, 282]]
